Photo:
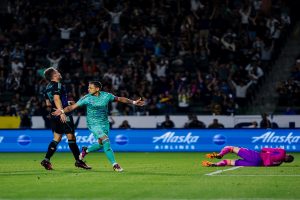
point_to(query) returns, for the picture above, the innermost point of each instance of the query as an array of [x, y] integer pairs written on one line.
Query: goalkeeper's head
[[289, 158]]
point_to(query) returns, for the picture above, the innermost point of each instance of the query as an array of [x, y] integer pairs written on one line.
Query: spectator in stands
[[54, 60], [196, 36], [195, 123], [26, 122], [241, 91], [125, 125], [215, 124], [265, 122], [168, 123], [253, 125], [290, 111], [111, 122]]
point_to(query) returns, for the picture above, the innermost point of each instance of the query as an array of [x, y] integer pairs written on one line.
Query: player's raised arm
[[65, 110], [138, 102]]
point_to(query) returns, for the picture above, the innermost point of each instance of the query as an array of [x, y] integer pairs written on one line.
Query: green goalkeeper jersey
[[97, 109]]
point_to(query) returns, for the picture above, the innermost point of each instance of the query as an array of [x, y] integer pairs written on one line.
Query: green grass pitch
[[147, 176]]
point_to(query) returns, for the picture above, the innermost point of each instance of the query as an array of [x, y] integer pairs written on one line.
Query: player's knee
[[101, 139], [57, 137], [231, 162], [71, 137]]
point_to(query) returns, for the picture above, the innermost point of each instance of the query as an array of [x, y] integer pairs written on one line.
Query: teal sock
[[108, 151], [94, 147]]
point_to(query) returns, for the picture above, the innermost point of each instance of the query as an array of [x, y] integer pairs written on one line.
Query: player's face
[[93, 89], [57, 75]]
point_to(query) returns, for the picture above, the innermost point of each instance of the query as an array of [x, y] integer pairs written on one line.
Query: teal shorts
[[100, 131]]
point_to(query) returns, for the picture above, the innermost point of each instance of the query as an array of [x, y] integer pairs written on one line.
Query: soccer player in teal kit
[[97, 118]]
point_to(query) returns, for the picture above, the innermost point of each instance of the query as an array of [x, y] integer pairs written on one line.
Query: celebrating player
[[97, 118], [267, 157], [56, 98]]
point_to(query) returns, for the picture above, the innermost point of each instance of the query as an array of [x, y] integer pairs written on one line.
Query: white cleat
[[117, 168]]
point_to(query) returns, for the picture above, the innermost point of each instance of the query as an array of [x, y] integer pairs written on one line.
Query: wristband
[[134, 102], [62, 111]]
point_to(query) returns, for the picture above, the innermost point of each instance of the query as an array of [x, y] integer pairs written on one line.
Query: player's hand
[[57, 112], [63, 118], [71, 102], [139, 102]]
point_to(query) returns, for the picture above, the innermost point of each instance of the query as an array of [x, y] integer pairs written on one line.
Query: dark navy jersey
[[55, 88]]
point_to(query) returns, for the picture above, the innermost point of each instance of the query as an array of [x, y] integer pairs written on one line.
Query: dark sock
[[74, 148], [51, 149]]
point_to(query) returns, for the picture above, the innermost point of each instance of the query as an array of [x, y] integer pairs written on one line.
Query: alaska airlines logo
[[270, 137], [170, 137], [82, 139]]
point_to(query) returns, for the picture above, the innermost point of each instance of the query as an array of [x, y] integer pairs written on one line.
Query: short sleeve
[[83, 101], [56, 89], [45, 94], [111, 97]]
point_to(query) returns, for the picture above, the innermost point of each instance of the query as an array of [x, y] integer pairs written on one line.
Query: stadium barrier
[[9, 122], [283, 121], [157, 140]]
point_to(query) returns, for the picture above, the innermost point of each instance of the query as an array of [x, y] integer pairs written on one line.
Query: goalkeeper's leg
[[218, 164]]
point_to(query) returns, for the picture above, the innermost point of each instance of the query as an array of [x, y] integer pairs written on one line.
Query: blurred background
[[197, 63]]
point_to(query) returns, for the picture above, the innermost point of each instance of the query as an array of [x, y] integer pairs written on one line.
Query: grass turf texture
[[147, 176]]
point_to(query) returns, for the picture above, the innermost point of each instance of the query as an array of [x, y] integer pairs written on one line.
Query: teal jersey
[[97, 108]]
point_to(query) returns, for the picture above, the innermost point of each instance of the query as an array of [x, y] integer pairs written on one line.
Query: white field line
[[220, 171], [281, 175]]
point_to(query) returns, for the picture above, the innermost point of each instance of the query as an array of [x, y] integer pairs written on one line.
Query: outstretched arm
[[65, 110], [138, 102]]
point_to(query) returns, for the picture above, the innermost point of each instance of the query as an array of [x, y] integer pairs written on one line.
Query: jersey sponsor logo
[[121, 139], [219, 139], [24, 140], [170, 137], [271, 137]]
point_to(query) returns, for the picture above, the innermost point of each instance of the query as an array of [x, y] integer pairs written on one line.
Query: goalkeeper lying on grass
[[267, 157]]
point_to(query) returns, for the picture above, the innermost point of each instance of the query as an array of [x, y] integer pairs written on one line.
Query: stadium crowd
[[181, 56], [289, 91]]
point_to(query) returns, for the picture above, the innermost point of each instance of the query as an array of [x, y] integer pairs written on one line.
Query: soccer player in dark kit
[[56, 98]]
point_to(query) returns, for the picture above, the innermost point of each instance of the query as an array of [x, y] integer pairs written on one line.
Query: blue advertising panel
[[157, 140]]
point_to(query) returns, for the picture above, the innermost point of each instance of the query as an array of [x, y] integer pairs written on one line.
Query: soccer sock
[[226, 150], [222, 163], [94, 147], [51, 149], [108, 151], [74, 148]]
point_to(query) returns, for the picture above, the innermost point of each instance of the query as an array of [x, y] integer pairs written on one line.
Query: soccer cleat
[[208, 164], [46, 164], [83, 153], [213, 155], [81, 164], [117, 168]]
